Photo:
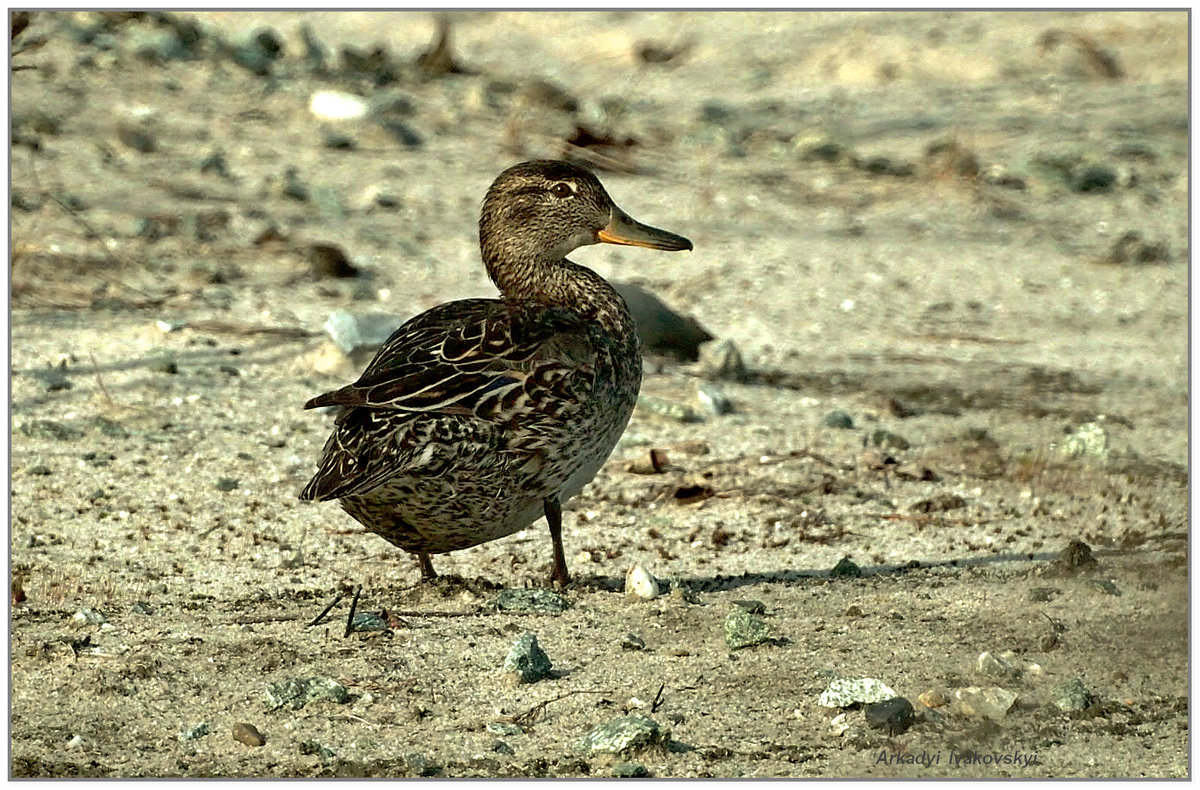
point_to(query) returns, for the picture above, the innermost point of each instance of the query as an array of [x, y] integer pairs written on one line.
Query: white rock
[[639, 582], [337, 106]]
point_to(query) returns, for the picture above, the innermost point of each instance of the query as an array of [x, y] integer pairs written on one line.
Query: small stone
[[328, 260], [845, 569], [142, 608], [503, 728], [1076, 555], [854, 610], [368, 621], [500, 747], [420, 765], [994, 666], [889, 440], [195, 732], [337, 106], [39, 470], [632, 641], [641, 583], [983, 703], [713, 399], [526, 661], [679, 412], [753, 607], [661, 329], [164, 365], [743, 629], [531, 601], [361, 332], [1072, 695], [298, 693], [1092, 178], [317, 748], [894, 715], [248, 734], [49, 429], [933, 699], [624, 734], [629, 770], [1089, 439], [402, 133], [844, 692], [1105, 586], [938, 504], [839, 419], [76, 742], [724, 362], [1044, 594], [227, 483], [137, 138], [86, 617]]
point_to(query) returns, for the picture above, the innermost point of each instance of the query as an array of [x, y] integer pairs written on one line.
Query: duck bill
[[624, 229]]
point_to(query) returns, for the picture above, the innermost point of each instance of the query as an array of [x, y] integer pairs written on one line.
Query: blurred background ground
[[949, 250]]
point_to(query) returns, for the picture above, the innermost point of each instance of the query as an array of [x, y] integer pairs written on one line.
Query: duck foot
[[560, 577], [427, 571]]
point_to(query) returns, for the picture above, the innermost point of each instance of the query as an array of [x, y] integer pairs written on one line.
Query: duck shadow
[[720, 583]]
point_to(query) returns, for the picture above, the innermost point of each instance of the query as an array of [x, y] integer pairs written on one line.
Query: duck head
[[535, 213]]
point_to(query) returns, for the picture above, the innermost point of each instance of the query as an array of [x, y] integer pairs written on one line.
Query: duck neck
[[560, 283]]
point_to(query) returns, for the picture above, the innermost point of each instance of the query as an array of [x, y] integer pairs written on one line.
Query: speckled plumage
[[480, 415]]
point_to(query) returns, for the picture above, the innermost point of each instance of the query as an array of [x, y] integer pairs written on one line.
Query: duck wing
[[470, 377]]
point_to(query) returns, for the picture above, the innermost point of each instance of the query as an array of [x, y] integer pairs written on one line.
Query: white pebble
[[337, 106], [639, 582]]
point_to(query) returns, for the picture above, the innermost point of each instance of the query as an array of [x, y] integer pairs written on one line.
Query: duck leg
[[554, 520], [427, 571]]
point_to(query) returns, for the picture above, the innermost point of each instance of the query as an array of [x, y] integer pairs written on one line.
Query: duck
[[479, 416]]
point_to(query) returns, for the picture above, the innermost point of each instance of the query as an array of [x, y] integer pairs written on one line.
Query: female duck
[[480, 415]]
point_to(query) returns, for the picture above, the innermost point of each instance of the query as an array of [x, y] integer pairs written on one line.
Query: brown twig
[[350, 616], [529, 715], [100, 381], [327, 609]]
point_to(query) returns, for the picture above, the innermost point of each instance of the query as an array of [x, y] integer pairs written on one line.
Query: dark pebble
[[328, 260], [753, 607], [629, 770], [419, 764], [167, 366], [845, 569], [137, 138], [500, 747], [339, 141], [317, 748], [531, 601], [402, 133], [1076, 555], [54, 378], [1093, 178], [839, 419], [1044, 594], [293, 187], [48, 429], [939, 503], [894, 715], [215, 163], [248, 734], [227, 483], [884, 166], [142, 608], [882, 438], [40, 470]]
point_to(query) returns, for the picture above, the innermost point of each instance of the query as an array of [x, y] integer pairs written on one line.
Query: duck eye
[[562, 190]]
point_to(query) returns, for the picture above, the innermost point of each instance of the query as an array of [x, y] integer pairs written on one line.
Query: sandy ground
[[972, 245]]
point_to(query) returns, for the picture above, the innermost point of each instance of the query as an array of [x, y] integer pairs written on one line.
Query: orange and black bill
[[624, 229]]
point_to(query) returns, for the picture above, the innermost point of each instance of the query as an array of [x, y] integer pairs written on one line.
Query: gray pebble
[[420, 765], [526, 661], [368, 621], [49, 429], [839, 419], [227, 483], [845, 568], [500, 747], [624, 734], [743, 629], [889, 440], [317, 748], [629, 770], [503, 728], [195, 732], [531, 601], [1072, 695], [298, 693], [632, 641]]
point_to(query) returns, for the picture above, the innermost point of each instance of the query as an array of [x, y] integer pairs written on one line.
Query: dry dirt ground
[[965, 231]]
